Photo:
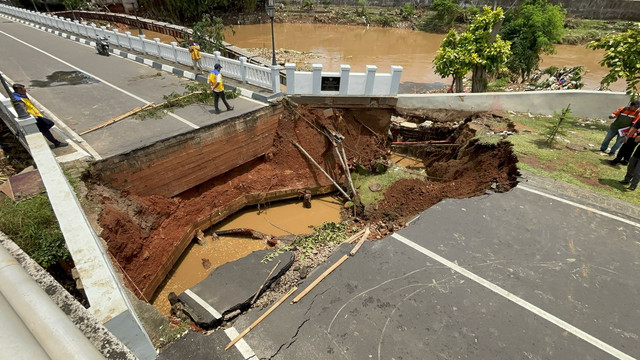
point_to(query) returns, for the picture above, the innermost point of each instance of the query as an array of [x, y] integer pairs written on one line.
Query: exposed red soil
[[142, 231]]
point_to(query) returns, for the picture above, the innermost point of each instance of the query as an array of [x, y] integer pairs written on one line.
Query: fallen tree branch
[[255, 297], [254, 234], [118, 118]]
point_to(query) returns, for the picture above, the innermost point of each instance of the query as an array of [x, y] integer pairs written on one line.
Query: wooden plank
[[362, 240], [255, 323], [320, 278]]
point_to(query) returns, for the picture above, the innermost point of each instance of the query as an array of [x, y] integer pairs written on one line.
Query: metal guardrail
[[264, 77], [107, 298]]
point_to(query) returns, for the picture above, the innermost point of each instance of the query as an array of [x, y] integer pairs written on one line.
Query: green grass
[[32, 225], [393, 174], [581, 31], [586, 169]]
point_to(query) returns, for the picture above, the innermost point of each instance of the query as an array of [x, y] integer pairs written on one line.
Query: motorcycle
[[102, 46]]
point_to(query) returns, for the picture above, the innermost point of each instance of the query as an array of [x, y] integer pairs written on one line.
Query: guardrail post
[[174, 46], [275, 78], [345, 70], [216, 56], [371, 78], [76, 23], [317, 78], [128, 33], [243, 69], [104, 30], [157, 41], [94, 30], [396, 73], [142, 39], [85, 27], [290, 69], [115, 31]]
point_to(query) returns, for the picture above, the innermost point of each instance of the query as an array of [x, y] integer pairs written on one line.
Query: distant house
[[120, 6]]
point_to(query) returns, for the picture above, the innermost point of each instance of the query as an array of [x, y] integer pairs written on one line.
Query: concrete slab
[[231, 287], [23, 185]]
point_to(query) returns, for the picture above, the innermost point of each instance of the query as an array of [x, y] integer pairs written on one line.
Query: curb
[[152, 63]]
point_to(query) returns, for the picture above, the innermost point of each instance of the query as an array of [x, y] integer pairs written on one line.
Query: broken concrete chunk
[[398, 119], [231, 287]]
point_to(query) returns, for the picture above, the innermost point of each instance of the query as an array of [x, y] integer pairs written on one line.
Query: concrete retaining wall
[[593, 104], [174, 165]]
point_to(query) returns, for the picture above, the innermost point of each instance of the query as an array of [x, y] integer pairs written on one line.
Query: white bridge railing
[[264, 77]]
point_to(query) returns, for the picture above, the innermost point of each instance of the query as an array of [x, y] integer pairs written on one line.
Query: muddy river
[[413, 50], [277, 219]]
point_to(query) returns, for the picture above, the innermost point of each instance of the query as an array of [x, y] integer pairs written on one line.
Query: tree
[[74, 5], [479, 49], [189, 12], [533, 28], [209, 33], [451, 60], [622, 57]]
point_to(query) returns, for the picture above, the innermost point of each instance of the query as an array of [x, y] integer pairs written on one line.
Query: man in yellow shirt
[[215, 81], [44, 124], [194, 51]]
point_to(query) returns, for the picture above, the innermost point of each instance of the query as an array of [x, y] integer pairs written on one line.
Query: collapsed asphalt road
[[548, 281]]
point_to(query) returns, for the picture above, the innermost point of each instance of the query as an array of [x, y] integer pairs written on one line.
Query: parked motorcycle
[[102, 46]]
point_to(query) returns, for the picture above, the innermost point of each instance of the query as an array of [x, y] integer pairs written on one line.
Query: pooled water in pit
[[277, 219]]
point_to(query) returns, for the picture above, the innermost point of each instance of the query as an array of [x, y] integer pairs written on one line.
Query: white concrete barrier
[[592, 104]]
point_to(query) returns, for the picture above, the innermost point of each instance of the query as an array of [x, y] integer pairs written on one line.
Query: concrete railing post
[[243, 69], [345, 70], [370, 79], [115, 32], [104, 30], [144, 47], [157, 41], [76, 24], [85, 29], [216, 56], [94, 31], [290, 69], [396, 73], [174, 46], [316, 79], [130, 45], [275, 78]]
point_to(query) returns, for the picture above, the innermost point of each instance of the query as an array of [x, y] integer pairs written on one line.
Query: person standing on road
[[194, 51], [624, 117], [632, 178], [44, 124], [215, 81]]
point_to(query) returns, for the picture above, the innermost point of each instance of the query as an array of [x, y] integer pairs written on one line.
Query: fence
[[263, 77]]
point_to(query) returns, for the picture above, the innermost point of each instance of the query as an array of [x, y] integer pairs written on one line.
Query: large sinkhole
[[156, 200]]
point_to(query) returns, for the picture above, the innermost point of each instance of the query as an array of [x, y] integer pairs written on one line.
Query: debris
[[200, 238], [118, 118], [362, 240], [321, 169], [306, 200], [255, 323], [375, 187], [206, 263], [23, 185], [255, 297], [320, 278], [243, 232], [353, 238]]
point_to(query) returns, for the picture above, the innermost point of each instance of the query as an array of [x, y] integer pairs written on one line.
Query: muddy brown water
[[383, 47], [277, 219]]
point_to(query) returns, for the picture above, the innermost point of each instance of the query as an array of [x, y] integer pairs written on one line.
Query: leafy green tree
[[452, 60], [533, 29], [74, 5], [479, 49], [622, 57], [189, 12], [209, 33]]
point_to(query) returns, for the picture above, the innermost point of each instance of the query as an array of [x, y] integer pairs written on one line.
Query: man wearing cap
[[215, 81], [44, 124], [624, 117]]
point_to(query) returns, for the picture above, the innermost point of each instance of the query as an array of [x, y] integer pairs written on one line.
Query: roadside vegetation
[[573, 157]]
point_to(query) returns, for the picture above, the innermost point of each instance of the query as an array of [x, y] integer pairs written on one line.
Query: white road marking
[[203, 303], [511, 297], [241, 345], [584, 207], [99, 79]]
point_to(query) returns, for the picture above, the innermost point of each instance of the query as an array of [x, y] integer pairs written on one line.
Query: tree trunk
[[478, 79], [458, 84]]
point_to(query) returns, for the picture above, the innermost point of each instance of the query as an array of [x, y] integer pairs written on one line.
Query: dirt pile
[[143, 232]]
